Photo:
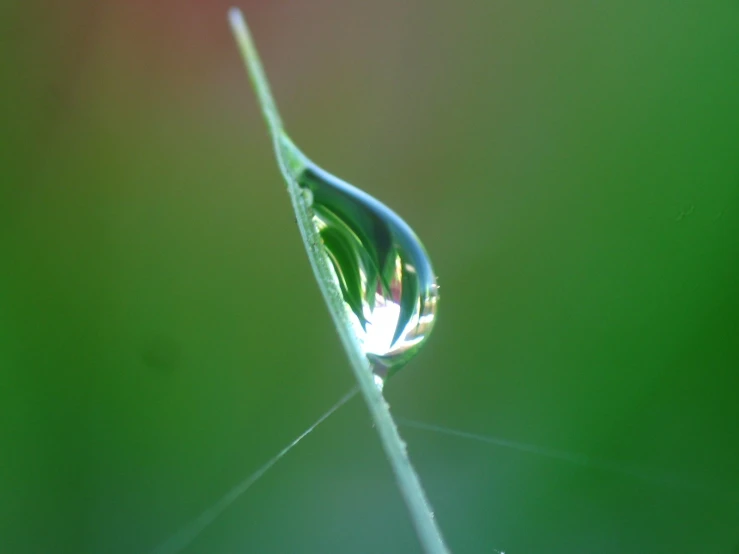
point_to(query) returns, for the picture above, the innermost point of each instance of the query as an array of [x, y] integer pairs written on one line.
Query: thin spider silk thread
[[184, 537], [572, 458]]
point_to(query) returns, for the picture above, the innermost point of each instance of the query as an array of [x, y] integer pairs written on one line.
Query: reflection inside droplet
[[380, 265]]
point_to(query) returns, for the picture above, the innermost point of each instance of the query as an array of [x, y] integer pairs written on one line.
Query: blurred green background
[[573, 171]]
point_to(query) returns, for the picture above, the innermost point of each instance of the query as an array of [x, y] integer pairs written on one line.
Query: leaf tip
[[235, 17]]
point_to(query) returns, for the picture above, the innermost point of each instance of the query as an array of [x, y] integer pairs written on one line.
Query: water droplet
[[382, 269], [308, 197]]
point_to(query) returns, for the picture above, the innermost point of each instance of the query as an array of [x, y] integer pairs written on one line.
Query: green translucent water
[[382, 269]]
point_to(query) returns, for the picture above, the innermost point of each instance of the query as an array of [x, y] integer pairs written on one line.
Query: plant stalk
[[407, 479]]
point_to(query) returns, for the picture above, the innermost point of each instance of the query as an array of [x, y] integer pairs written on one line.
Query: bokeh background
[[573, 169]]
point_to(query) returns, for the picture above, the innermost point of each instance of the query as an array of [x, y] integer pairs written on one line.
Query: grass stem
[[408, 482]]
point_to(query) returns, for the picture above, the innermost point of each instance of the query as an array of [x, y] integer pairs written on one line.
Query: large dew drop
[[384, 273]]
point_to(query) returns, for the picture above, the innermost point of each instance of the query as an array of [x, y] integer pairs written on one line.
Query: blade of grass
[[408, 482]]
